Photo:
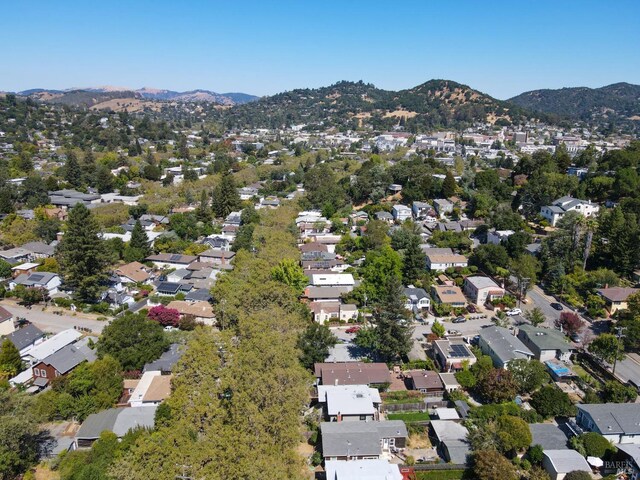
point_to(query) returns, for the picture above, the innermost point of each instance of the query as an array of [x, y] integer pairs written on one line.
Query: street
[[537, 298], [47, 321]]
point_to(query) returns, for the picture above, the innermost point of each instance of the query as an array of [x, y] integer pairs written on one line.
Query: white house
[[345, 403], [401, 213], [559, 208], [48, 281], [416, 299], [6, 322], [617, 422], [558, 463], [439, 259], [480, 289], [332, 280], [495, 237], [151, 389]]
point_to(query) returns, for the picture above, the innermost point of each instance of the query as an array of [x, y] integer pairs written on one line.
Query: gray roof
[[25, 336], [482, 282], [116, 420], [544, 338], [505, 346], [167, 360], [614, 418], [548, 436], [35, 279], [326, 292], [358, 438], [463, 408], [69, 357], [565, 461], [419, 293], [202, 294], [39, 248]]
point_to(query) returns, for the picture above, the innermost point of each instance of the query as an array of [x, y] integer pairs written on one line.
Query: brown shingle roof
[[159, 389], [618, 294], [352, 373], [134, 271], [426, 379], [197, 309]]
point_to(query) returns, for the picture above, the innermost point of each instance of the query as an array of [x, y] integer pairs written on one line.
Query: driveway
[[47, 321]]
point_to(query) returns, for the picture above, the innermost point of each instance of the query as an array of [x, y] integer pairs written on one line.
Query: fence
[[404, 407]]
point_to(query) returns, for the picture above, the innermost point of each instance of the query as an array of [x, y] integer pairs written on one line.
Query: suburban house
[[6, 322], [439, 259], [325, 294], [616, 297], [548, 436], [25, 338], [361, 440], [401, 213], [384, 216], [216, 257], [348, 403], [24, 269], [370, 469], [152, 388], [68, 198], [559, 208], [61, 362], [171, 260], [352, 373], [448, 294], [453, 355], [451, 440], [39, 250], [45, 280], [134, 272], [617, 422], [116, 420], [443, 206], [329, 311], [557, 463], [545, 343], [632, 455], [449, 381], [481, 290], [496, 237], [502, 346], [416, 299], [427, 382], [170, 289], [51, 345], [15, 256], [422, 210], [201, 311], [167, 360]]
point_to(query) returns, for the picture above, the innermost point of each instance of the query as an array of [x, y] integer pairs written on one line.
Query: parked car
[[459, 320], [575, 338], [556, 306], [514, 311], [353, 329], [471, 308]]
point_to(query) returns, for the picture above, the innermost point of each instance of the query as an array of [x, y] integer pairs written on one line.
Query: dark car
[[471, 309], [556, 306], [459, 320]]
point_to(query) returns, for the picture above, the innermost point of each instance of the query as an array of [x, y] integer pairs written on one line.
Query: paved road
[[537, 298], [48, 322], [629, 369]]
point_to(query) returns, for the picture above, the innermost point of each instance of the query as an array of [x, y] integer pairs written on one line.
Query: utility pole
[[619, 336]]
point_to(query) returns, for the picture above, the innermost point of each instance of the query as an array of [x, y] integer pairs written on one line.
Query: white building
[[495, 237], [401, 213], [559, 208]]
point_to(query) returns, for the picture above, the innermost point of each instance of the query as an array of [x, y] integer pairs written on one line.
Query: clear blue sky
[[263, 47]]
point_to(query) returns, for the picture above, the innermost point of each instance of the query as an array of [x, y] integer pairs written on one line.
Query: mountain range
[[92, 96]]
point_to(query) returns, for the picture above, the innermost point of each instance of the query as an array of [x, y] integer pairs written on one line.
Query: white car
[[514, 311]]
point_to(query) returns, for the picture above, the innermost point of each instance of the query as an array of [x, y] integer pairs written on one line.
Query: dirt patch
[[129, 104], [400, 114], [419, 441]]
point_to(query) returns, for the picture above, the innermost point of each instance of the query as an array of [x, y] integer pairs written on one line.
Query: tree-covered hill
[[618, 102]]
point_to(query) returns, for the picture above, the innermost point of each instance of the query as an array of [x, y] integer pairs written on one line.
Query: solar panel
[[175, 258], [458, 351], [36, 278]]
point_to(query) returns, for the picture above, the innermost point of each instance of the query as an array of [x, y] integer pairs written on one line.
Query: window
[[43, 373], [363, 417]]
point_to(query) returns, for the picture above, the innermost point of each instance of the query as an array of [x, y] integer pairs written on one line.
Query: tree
[[490, 465], [594, 445], [577, 475], [449, 185], [315, 343], [514, 433], [289, 272], [138, 247], [132, 340], [203, 212], [5, 269], [466, 378], [10, 361], [498, 385], [104, 180], [167, 317], [438, 329], [82, 256], [569, 322], [528, 374], [151, 172], [615, 392], [393, 334], [380, 267], [536, 316], [607, 347], [72, 170], [535, 454], [552, 402], [414, 261], [490, 257], [525, 268], [225, 196]]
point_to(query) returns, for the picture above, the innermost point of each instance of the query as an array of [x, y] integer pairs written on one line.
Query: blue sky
[[265, 47]]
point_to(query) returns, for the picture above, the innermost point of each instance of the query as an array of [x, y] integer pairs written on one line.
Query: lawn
[[409, 416], [440, 475]]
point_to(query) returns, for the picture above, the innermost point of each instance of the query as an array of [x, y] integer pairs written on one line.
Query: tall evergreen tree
[[392, 332], [203, 213], [449, 185], [10, 361], [415, 262], [82, 256], [225, 196], [138, 248], [72, 170], [104, 180]]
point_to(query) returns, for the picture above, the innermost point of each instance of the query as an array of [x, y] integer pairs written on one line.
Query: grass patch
[[409, 416], [440, 475], [392, 398]]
